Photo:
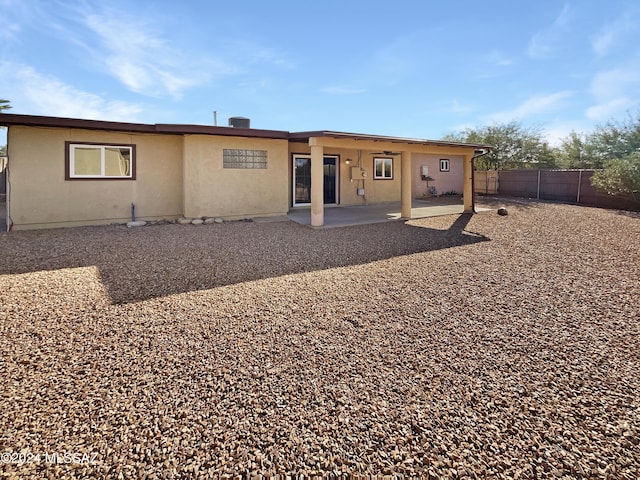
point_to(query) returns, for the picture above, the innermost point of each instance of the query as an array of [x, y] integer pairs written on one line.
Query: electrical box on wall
[[357, 173], [361, 192], [424, 173]]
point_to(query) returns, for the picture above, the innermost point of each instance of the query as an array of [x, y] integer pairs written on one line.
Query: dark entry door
[[302, 179], [330, 180]]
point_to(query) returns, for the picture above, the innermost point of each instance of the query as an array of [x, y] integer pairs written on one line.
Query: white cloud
[[603, 42], [613, 33], [607, 110], [614, 92], [33, 92], [612, 83], [557, 131], [13, 16], [10, 32], [533, 106], [544, 43], [143, 61]]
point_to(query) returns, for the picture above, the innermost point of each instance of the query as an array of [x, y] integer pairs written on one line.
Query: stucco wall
[[376, 191], [41, 197], [444, 182], [213, 191]]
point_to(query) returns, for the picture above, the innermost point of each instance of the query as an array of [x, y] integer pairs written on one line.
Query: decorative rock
[[197, 221], [137, 223], [184, 221], [503, 211], [218, 220], [209, 220], [230, 351]]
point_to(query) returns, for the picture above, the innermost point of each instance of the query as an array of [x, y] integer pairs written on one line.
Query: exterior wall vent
[[240, 122]]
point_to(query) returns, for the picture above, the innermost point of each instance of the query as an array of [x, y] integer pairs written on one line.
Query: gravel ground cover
[[452, 347]]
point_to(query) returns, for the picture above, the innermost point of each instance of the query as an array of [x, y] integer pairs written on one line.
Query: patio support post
[[405, 185], [467, 189], [317, 184]]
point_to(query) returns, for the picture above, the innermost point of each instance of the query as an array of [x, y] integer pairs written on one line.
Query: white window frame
[[383, 176], [71, 149], [445, 165]]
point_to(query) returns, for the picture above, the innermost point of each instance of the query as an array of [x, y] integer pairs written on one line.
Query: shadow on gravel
[[154, 261], [626, 213]]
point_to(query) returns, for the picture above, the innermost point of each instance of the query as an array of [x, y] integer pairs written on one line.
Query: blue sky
[[404, 68]]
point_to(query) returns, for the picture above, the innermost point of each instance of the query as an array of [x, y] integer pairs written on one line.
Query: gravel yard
[[452, 347]]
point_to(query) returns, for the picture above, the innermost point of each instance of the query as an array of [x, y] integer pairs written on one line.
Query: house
[[69, 172]]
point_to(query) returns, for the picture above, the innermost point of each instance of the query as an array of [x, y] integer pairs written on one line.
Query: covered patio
[[405, 161]]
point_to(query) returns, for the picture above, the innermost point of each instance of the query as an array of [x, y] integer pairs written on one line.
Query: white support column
[[317, 185], [405, 185], [467, 189]]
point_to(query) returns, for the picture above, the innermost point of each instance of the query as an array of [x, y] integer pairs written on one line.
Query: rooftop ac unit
[[240, 122]]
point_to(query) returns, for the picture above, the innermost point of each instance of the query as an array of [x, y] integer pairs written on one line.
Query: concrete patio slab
[[342, 216]]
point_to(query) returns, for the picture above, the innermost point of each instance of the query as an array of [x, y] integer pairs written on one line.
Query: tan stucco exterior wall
[[213, 191], [40, 197], [183, 175], [444, 182]]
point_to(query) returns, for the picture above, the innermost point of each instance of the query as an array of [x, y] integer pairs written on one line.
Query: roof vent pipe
[[240, 122]]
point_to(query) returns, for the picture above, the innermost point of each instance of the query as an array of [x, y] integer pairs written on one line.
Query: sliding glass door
[[302, 179]]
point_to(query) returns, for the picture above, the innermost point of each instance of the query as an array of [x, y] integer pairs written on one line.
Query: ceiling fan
[[386, 152]]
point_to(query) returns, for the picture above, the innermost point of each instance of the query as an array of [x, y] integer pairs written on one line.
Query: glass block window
[[239, 158]]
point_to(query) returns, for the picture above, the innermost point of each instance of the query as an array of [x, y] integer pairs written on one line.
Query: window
[[383, 168], [238, 158], [98, 161], [444, 164]]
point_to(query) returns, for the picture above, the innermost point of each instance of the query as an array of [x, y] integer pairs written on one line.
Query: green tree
[[4, 105], [577, 151], [615, 139], [514, 146], [620, 176]]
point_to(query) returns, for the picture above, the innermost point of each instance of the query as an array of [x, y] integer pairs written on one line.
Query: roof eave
[[301, 136], [11, 119]]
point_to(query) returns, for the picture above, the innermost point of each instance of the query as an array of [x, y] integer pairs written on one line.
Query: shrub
[[620, 176]]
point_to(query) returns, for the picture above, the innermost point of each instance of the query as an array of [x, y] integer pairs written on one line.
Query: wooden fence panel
[[485, 182], [518, 183], [561, 186]]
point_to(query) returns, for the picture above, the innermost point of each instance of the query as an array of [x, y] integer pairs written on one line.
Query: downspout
[[480, 152]]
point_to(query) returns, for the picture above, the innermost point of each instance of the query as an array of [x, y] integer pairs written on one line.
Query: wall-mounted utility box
[[361, 192]]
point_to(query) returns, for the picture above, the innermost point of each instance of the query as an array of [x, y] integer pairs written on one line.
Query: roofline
[[301, 136], [8, 119]]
